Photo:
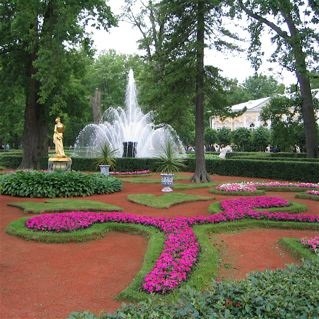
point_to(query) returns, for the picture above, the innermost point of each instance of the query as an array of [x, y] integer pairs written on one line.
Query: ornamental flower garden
[[312, 243], [181, 248], [253, 186]]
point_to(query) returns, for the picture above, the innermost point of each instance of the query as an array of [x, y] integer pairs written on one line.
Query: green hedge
[[122, 164], [269, 158], [294, 170], [285, 170]]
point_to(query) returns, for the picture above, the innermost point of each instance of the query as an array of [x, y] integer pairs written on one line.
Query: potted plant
[[168, 163], [107, 160]]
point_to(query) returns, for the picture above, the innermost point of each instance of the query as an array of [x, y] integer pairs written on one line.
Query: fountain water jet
[[128, 131]]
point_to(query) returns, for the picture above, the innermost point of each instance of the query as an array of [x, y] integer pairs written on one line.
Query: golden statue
[[58, 138]]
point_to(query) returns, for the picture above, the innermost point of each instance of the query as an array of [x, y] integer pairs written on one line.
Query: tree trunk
[[96, 106], [200, 174], [308, 115], [35, 134], [307, 107], [295, 41]]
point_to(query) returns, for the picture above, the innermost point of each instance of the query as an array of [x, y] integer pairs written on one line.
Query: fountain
[[129, 132]]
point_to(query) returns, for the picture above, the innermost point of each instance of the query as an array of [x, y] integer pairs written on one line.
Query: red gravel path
[[40, 280]]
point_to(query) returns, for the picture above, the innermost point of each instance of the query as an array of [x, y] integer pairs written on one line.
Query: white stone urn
[[105, 169], [167, 180]]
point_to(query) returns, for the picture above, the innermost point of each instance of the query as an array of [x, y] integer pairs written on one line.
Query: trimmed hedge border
[[239, 193], [307, 196], [293, 208], [303, 171]]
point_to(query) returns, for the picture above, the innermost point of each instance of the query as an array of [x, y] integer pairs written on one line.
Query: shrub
[[285, 170], [287, 293], [57, 184]]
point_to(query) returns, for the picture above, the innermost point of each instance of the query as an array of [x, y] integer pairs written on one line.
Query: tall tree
[[175, 45], [108, 74], [294, 24], [163, 86], [284, 113], [37, 42], [200, 174], [259, 86]]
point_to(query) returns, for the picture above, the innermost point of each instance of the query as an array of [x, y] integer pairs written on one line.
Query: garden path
[[40, 280]]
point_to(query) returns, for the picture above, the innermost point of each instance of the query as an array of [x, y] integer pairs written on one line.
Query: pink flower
[[181, 248], [312, 243], [313, 192]]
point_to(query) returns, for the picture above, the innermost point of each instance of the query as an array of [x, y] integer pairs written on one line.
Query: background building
[[250, 118]]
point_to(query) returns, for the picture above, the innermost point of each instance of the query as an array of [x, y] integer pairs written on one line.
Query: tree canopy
[[293, 25], [40, 44]]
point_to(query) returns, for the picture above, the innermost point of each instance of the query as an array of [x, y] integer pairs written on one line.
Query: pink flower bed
[[312, 243], [237, 187], [181, 248], [252, 186], [313, 192], [141, 172], [287, 184]]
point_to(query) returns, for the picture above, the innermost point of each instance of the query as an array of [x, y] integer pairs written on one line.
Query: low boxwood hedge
[[289, 169], [57, 184], [284, 170]]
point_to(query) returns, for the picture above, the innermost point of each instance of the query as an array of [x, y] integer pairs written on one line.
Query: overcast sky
[[233, 65]]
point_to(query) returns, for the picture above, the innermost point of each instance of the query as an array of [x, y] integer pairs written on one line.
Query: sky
[[123, 39]]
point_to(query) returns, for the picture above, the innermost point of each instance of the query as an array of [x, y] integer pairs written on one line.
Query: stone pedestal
[[59, 164]]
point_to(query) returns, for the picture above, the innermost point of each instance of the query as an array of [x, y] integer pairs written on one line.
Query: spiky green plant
[[107, 156], [169, 161]]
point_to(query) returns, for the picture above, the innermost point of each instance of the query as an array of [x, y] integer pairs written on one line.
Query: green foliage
[[254, 87], [280, 170], [55, 205], [293, 207], [297, 249], [107, 156], [57, 184], [165, 200], [292, 27], [169, 160], [192, 185], [44, 49], [11, 98], [307, 196], [241, 137], [224, 136], [210, 136], [259, 86], [250, 298], [235, 92], [108, 74], [261, 295], [285, 116], [219, 192], [260, 138]]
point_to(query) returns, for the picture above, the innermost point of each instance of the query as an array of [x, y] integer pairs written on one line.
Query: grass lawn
[[165, 200], [55, 205]]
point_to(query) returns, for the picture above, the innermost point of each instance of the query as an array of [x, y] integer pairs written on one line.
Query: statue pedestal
[[59, 164]]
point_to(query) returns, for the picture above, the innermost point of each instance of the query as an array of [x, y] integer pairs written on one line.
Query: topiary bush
[[57, 184]]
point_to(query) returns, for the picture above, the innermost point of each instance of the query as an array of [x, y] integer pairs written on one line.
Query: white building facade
[[250, 118]]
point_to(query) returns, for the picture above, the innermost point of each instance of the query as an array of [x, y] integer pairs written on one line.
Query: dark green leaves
[[64, 184]]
